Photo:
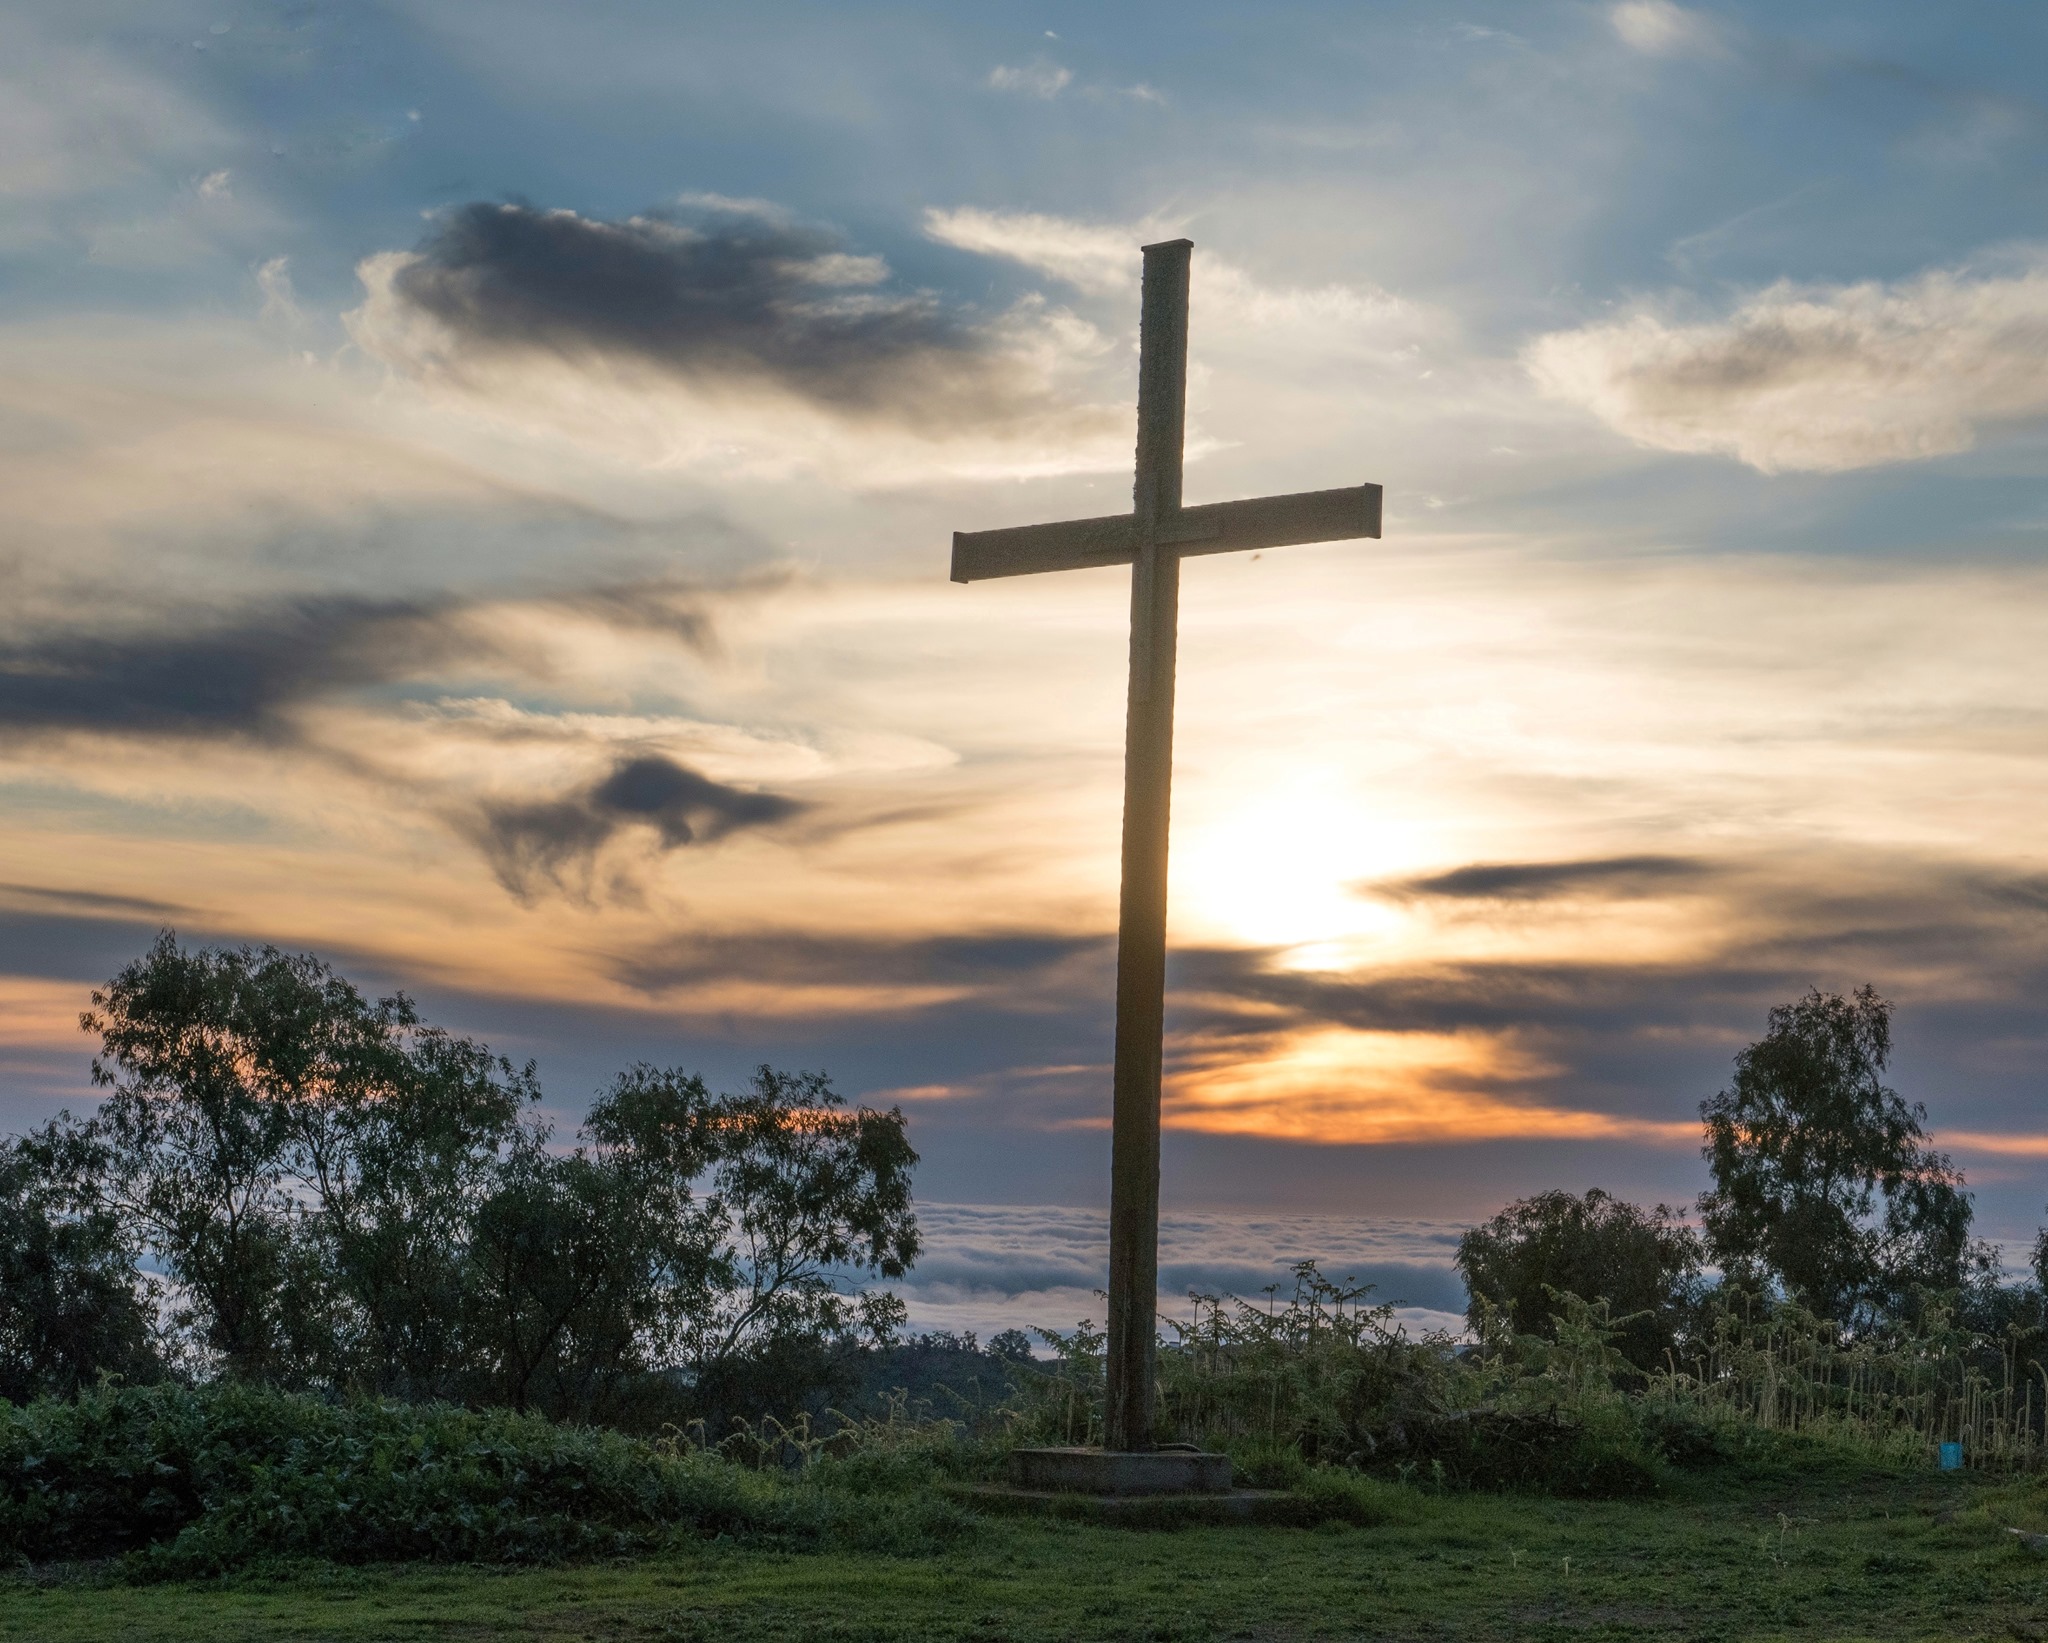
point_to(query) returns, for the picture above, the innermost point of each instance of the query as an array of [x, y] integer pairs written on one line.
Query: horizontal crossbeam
[[1214, 527]]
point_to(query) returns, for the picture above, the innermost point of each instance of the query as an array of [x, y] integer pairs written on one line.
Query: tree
[[347, 1197], [711, 1234], [802, 1198], [300, 1159], [803, 1188], [70, 1311], [1825, 1184], [399, 1166], [1644, 1263], [561, 1299]]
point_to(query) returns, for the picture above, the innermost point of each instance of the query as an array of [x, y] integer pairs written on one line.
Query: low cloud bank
[[1029, 1266]]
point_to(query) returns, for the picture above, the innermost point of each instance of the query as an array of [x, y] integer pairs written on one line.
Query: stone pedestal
[[1121, 1471]]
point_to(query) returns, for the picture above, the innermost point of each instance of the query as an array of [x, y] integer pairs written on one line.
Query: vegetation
[[342, 1198], [194, 1481], [71, 1307], [1806, 1546], [1645, 1264], [1825, 1186], [315, 1288]]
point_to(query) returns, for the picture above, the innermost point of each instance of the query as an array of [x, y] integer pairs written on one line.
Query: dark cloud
[[240, 672], [56, 946], [87, 902], [234, 676], [725, 298], [1025, 966], [557, 840], [2027, 892], [1617, 877]]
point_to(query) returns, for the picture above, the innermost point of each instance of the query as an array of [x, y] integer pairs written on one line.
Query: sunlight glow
[[1340, 1085], [1278, 871]]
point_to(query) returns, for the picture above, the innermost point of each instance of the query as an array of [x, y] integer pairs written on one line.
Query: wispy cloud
[[1819, 378], [88, 903], [1039, 78], [1101, 259], [1341, 1085], [1660, 28], [790, 971], [1605, 877], [241, 676]]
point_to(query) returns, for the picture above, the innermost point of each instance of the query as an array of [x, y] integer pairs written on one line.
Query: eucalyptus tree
[[342, 1195], [71, 1303], [1826, 1184]]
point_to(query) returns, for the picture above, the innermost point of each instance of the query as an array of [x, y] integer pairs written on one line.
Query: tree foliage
[[71, 1310], [1645, 1264], [343, 1196], [300, 1158], [1825, 1184]]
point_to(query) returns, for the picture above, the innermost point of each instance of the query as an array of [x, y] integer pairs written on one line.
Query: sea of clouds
[[988, 1267]]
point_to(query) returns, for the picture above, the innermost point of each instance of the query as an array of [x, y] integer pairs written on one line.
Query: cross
[[1152, 539]]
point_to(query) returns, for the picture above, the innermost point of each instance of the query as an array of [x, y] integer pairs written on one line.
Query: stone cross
[[1152, 539]]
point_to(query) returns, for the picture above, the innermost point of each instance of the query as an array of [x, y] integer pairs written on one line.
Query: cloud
[[87, 903], [1819, 378], [1101, 259], [332, 715], [236, 677], [734, 301], [1607, 877], [1023, 965], [1035, 79], [77, 120], [280, 301], [556, 841], [1658, 28], [988, 1267], [1335, 1084]]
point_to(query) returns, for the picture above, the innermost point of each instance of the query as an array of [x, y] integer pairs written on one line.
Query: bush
[[1645, 1264], [194, 1482]]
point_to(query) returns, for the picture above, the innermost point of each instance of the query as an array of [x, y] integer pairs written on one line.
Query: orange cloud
[[40, 1014], [1339, 1085], [2010, 1146]]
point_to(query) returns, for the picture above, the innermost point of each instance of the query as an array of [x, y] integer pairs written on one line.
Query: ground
[[1821, 1556]]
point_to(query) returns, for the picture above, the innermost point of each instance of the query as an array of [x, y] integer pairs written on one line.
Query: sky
[[480, 481]]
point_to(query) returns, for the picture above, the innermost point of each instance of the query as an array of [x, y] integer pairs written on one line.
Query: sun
[[1283, 870]]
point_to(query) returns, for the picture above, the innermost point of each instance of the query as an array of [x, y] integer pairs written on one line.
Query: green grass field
[[1815, 1552]]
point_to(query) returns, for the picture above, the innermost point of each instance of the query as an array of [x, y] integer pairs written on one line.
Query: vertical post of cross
[[1141, 923]]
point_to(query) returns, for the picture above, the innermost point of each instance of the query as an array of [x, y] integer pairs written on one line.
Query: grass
[[1813, 1548]]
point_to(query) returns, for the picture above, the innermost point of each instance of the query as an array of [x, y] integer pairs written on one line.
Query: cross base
[[1121, 1471]]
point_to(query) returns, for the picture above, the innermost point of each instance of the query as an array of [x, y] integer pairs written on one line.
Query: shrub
[[1644, 1263], [194, 1482]]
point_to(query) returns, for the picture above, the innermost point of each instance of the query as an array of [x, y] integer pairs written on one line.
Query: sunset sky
[[478, 487]]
